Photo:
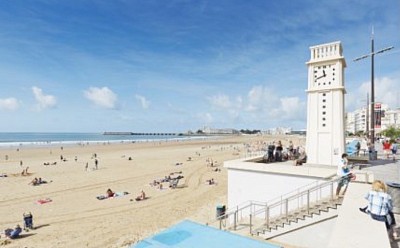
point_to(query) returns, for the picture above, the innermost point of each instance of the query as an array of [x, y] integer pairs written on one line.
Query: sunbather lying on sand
[[13, 233], [111, 194]]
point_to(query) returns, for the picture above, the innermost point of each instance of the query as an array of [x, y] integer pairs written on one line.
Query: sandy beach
[[76, 218]]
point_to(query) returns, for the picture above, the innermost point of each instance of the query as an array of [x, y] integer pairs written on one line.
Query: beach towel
[[43, 201], [116, 194], [101, 197]]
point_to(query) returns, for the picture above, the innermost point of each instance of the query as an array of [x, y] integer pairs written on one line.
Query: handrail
[[280, 204], [266, 207]]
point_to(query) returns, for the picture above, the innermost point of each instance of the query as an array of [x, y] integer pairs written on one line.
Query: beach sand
[[75, 218]]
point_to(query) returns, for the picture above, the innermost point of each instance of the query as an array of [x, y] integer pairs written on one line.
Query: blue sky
[[178, 65]]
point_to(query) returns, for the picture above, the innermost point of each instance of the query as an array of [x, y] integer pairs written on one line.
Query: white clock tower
[[325, 106]]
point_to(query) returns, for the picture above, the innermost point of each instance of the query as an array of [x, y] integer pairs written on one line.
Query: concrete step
[[299, 218], [293, 226]]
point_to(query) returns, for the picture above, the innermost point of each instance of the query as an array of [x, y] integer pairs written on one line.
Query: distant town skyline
[[172, 66]]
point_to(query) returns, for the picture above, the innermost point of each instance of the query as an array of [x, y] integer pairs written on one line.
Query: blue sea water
[[46, 139]]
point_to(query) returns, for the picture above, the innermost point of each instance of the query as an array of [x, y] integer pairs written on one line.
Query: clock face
[[324, 75]]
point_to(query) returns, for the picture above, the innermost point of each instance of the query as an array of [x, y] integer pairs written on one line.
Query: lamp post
[[372, 55]]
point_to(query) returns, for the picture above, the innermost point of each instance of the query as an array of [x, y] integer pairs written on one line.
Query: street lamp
[[372, 55]]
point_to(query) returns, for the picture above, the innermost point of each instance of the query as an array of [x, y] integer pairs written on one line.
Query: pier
[[141, 134]]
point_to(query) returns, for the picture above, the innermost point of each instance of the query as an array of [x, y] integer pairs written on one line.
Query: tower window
[[323, 100], [323, 106], [323, 94], [324, 113], [323, 125], [324, 119]]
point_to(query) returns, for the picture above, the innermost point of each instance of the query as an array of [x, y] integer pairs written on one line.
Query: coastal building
[[209, 130], [279, 130], [350, 123], [325, 104], [358, 120]]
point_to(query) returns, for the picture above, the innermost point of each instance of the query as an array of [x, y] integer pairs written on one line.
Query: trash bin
[[221, 211], [373, 155], [394, 192]]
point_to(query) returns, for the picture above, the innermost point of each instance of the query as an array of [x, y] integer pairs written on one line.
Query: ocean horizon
[[12, 139]]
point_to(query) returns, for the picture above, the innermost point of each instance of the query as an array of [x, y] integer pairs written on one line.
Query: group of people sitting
[[210, 181], [37, 181], [171, 179], [48, 163], [277, 153]]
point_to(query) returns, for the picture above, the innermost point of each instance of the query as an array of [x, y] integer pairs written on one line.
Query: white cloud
[[386, 91], [292, 108], [261, 105], [103, 97], [43, 101], [9, 104], [143, 101], [205, 118], [220, 101], [261, 98]]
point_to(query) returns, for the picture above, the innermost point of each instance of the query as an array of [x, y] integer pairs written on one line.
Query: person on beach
[[343, 171], [210, 181], [96, 164], [278, 152], [13, 233], [302, 159], [87, 166], [271, 148], [34, 182], [141, 197], [110, 193], [25, 171]]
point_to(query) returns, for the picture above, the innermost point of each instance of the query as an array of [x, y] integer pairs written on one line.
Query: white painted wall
[[261, 186]]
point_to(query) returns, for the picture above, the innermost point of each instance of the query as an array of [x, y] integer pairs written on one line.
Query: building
[[358, 120]]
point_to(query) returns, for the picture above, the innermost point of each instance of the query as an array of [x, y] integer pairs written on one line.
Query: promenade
[[388, 171]]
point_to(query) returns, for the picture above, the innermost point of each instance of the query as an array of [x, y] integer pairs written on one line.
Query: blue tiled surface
[[188, 234]]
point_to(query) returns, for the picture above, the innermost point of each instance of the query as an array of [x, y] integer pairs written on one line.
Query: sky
[[179, 65]]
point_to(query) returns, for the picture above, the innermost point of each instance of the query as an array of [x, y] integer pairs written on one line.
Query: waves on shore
[[55, 139]]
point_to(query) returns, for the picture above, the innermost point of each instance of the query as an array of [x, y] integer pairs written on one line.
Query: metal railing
[[246, 213], [302, 199], [302, 203]]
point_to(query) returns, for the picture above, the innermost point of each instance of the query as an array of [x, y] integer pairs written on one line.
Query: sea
[[15, 139]]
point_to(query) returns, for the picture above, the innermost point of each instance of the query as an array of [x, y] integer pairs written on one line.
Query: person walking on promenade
[[386, 148], [394, 150]]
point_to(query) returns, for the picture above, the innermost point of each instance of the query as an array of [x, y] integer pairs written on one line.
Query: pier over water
[[132, 133]]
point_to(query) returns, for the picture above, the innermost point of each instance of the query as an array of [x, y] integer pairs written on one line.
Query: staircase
[[285, 214], [299, 218]]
